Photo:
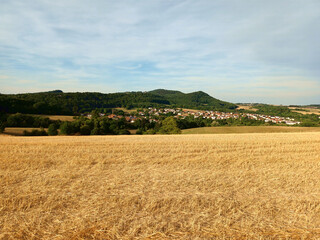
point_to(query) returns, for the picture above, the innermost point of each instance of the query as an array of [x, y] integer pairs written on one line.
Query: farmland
[[226, 186], [305, 110], [18, 131], [247, 107], [56, 117], [248, 129]]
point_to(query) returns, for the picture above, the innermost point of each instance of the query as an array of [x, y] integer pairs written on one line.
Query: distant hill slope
[[58, 102], [200, 100]]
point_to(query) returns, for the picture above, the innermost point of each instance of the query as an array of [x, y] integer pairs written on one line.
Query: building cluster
[[273, 119], [215, 115], [152, 114]]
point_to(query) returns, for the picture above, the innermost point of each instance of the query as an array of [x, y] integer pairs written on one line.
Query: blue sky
[[235, 50]]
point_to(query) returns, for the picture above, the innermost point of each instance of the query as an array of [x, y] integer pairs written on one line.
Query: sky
[[234, 50]]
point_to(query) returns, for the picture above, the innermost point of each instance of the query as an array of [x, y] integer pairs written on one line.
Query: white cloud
[[186, 44]]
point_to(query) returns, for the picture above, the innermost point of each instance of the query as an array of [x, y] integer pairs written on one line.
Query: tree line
[[85, 126], [105, 126]]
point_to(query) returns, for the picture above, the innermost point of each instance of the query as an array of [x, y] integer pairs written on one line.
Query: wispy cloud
[[129, 67], [184, 44]]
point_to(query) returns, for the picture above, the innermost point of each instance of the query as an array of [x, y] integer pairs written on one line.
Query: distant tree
[[66, 128], [52, 130], [105, 126], [118, 112], [169, 126], [95, 131], [85, 130], [23, 120], [139, 131], [95, 113], [15, 120], [75, 109], [150, 131], [308, 124], [2, 126], [40, 106], [129, 106], [3, 119], [35, 132], [124, 132], [214, 124]]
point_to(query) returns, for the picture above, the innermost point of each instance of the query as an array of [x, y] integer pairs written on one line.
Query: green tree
[[39, 106], [95, 131], [66, 128], [169, 126], [124, 132], [214, 124], [150, 131], [75, 109], [52, 130], [308, 124], [2, 126], [15, 120], [85, 130], [3, 119], [139, 131], [35, 132]]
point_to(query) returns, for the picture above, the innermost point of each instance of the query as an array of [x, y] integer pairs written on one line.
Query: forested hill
[[198, 100], [58, 102]]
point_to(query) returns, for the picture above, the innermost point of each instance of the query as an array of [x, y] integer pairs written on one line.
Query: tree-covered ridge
[[58, 102], [199, 100]]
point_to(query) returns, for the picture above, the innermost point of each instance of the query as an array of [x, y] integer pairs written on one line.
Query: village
[[153, 114]]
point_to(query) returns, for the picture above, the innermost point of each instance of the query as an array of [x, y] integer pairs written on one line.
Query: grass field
[[127, 110], [18, 131], [247, 107], [227, 186], [248, 129], [56, 117]]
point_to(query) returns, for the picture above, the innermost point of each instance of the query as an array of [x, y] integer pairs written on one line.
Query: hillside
[[58, 102], [200, 100]]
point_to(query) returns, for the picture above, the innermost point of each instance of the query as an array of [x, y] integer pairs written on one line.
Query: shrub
[[85, 130], [52, 130], [214, 124], [150, 131], [35, 132], [66, 128], [124, 132], [169, 126], [139, 131], [2, 127], [308, 124], [95, 131]]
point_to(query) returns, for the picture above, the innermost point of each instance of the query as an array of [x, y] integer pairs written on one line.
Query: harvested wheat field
[[227, 186], [306, 110]]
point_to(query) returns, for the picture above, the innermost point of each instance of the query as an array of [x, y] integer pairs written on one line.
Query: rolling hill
[[58, 102], [198, 99]]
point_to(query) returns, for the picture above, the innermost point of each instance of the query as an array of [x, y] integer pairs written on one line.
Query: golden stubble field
[[228, 186], [307, 110]]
